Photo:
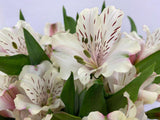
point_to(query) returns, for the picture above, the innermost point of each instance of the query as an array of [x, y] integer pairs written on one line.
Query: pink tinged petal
[[51, 29], [131, 108], [95, 116], [152, 43], [6, 113], [38, 69], [7, 99], [22, 102], [135, 37], [2, 50], [116, 115], [133, 58], [140, 111], [147, 97]]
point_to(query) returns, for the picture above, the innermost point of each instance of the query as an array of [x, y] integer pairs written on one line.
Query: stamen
[[14, 45], [87, 53], [79, 60]]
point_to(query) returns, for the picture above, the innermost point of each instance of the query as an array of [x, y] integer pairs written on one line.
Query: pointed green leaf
[[103, 6], [154, 113], [36, 53], [133, 26], [154, 58], [69, 22], [12, 65], [21, 17], [77, 17], [117, 101], [64, 116], [68, 95], [93, 100]]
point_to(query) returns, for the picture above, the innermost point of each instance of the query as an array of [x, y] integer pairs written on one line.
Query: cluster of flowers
[[103, 61]]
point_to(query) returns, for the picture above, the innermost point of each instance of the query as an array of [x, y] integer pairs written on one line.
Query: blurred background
[[40, 12]]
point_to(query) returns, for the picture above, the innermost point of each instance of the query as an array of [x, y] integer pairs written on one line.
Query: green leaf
[[154, 113], [103, 6], [36, 53], [5, 118], [93, 100], [64, 116], [69, 22], [12, 65], [21, 17], [133, 26], [157, 80], [154, 58], [68, 95], [117, 100], [76, 105]]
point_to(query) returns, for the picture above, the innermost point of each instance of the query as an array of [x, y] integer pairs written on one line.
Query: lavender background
[[39, 12]]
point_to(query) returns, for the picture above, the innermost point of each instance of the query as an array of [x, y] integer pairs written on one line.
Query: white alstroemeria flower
[[146, 92], [128, 113], [97, 48], [148, 46], [42, 92], [8, 92], [12, 39], [51, 29]]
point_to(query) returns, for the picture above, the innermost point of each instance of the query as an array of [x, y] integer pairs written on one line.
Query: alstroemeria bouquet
[[86, 70]]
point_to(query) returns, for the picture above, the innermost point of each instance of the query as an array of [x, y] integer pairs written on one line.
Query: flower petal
[[94, 116], [51, 29], [111, 20], [118, 59], [12, 39], [85, 75], [65, 47], [116, 115], [147, 97], [140, 111], [7, 99], [131, 108], [37, 69], [34, 88], [22, 102]]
